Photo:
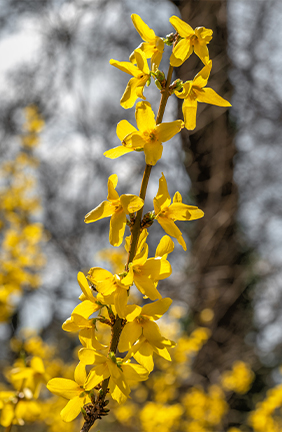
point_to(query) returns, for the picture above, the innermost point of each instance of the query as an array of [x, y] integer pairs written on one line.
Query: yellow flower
[[140, 73], [196, 40], [149, 137], [194, 92], [140, 321], [28, 377], [143, 351], [72, 390], [112, 289], [89, 303], [153, 46], [122, 374], [117, 207], [166, 213], [146, 273]]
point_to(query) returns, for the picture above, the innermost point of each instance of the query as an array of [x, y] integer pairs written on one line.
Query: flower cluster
[[21, 257], [115, 364]]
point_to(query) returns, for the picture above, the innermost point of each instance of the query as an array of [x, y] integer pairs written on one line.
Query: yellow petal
[[126, 67], [72, 409], [189, 109], [134, 373], [121, 301], [85, 288], [156, 59], [202, 77], [162, 196], [118, 378], [208, 95], [152, 333], [153, 152], [182, 212], [98, 274], [165, 246], [146, 286], [177, 197], [130, 93], [203, 34], [130, 334], [80, 374], [181, 52], [131, 203], [144, 356], [85, 309], [157, 309], [142, 63], [145, 32], [115, 392], [7, 415], [145, 117], [97, 375], [182, 242], [158, 268], [124, 128], [112, 184], [117, 228], [64, 387], [117, 152], [70, 326], [37, 365], [169, 226], [103, 210], [134, 141], [184, 29], [167, 130], [201, 51], [89, 356]]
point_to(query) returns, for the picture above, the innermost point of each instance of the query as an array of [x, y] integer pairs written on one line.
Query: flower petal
[[103, 210], [142, 63], [117, 152], [130, 334], [202, 77], [97, 375], [72, 409], [131, 203], [153, 152], [201, 51], [129, 96], [143, 29], [146, 286], [64, 387], [124, 128], [126, 67], [182, 28], [157, 309], [85, 288], [189, 109], [85, 309], [181, 52], [117, 228], [145, 117], [163, 199], [167, 130], [208, 95], [165, 246], [184, 212], [169, 226]]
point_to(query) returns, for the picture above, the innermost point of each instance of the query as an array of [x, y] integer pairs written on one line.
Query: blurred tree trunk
[[218, 253]]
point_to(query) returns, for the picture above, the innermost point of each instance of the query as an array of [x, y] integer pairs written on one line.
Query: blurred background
[[58, 114]]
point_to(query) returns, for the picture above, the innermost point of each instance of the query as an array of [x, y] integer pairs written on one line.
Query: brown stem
[[8, 428], [135, 233]]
